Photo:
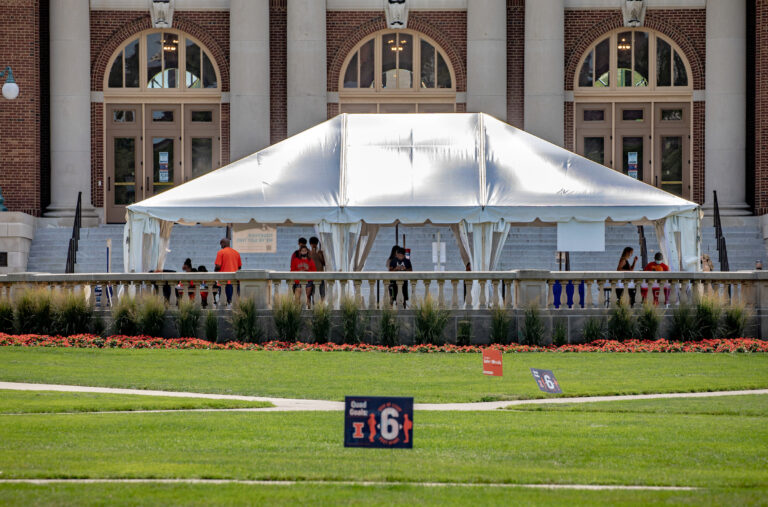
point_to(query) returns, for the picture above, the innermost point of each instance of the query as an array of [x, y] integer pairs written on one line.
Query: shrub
[[286, 313], [6, 316], [187, 318], [594, 329], [430, 322], [684, 326], [98, 327], [648, 322], [389, 327], [350, 320], [735, 321], [72, 315], [125, 317], [33, 313], [559, 334], [245, 323], [464, 333], [211, 326], [321, 322], [621, 324], [500, 322], [708, 314], [151, 315], [533, 327]]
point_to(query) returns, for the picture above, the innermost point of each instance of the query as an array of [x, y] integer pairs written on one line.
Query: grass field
[[27, 402], [426, 377]]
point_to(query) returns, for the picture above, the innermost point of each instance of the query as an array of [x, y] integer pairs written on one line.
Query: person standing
[[318, 257], [227, 261], [302, 242], [303, 262], [657, 265], [624, 265], [399, 263]]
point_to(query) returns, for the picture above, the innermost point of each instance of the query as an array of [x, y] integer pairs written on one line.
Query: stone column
[[70, 108], [544, 69], [487, 57], [306, 65], [249, 77], [726, 107]]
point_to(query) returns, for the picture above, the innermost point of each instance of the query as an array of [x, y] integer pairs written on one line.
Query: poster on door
[[163, 166], [632, 164]]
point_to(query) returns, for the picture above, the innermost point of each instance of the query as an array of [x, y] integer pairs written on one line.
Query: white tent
[[353, 173]]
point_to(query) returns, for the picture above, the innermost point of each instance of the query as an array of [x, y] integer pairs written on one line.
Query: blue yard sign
[[378, 421]]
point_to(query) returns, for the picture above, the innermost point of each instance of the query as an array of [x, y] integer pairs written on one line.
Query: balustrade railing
[[561, 291]]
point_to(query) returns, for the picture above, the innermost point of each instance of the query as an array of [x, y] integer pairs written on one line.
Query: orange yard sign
[[492, 362]]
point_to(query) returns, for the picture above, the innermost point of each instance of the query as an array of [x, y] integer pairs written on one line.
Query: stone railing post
[[531, 288]]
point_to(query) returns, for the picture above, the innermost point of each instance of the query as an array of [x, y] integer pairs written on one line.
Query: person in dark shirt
[[399, 263]]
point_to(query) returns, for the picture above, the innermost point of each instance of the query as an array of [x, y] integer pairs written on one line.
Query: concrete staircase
[[526, 247]]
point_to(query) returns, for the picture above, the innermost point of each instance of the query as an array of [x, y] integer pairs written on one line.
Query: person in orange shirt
[[303, 262], [227, 261], [656, 265]]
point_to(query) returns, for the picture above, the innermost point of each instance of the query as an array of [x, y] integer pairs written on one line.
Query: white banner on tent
[[254, 238], [581, 236]]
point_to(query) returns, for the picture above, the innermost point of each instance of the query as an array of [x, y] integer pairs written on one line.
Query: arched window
[[162, 109], [633, 98], [162, 60], [397, 71]]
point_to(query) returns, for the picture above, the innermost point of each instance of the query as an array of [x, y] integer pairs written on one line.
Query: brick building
[[120, 100]]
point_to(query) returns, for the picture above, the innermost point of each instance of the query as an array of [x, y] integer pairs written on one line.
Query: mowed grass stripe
[[429, 378], [472, 447]]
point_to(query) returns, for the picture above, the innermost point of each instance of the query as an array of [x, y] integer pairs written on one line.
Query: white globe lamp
[[10, 88]]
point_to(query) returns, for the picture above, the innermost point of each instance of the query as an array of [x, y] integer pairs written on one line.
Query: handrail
[[722, 251], [73, 241]]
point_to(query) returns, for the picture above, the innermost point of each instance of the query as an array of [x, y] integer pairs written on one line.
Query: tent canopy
[[368, 170]]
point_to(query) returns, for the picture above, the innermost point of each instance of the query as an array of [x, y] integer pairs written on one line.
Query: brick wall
[[759, 78], [21, 119], [515, 61], [278, 91]]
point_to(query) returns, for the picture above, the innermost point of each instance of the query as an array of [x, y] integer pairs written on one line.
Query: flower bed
[[147, 342]]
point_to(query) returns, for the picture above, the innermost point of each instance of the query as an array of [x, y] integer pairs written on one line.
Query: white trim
[[333, 97], [97, 97], [461, 97], [568, 94], [225, 98], [377, 5], [652, 4], [699, 95], [142, 5]]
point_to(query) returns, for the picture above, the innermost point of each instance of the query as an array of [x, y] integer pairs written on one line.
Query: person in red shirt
[[302, 262], [656, 265], [227, 261]]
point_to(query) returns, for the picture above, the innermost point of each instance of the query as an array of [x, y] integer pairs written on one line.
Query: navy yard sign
[[378, 421]]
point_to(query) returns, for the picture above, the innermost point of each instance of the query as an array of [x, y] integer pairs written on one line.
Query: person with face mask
[[303, 262]]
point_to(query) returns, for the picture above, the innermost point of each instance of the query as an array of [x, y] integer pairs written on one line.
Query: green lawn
[[499, 446], [426, 377], [24, 402], [236, 494]]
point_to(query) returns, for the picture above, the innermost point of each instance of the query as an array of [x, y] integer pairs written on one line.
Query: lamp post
[[10, 88]]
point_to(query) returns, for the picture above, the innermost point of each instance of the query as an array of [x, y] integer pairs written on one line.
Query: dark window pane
[[194, 65], [594, 149], [587, 68], [125, 194], [405, 65], [603, 63], [171, 55], [367, 69], [202, 156], [122, 116], [427, 65], [641, 59], [209, 73], [162, 163], [632, 115], [672, 163], [594, 115], [663, 63], [389, 48], [154, 60], [350, 76], [125, 159], [443, 73], [202, 116], [160, 115], [673, 188], [116, 73], [624, 58], [671, 114], [681, 76], [632, 159], [132, 64]]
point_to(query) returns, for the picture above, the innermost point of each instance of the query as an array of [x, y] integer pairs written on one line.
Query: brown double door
[[649, 142], [151, 148]]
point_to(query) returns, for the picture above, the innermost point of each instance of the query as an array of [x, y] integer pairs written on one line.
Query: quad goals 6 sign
[[374, 421]]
